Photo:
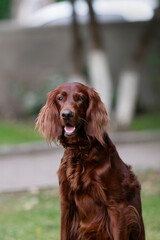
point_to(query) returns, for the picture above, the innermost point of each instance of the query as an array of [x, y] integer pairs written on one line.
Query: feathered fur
[[100, 195]]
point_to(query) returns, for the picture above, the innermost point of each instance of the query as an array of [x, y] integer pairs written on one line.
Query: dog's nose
[[67, 114]]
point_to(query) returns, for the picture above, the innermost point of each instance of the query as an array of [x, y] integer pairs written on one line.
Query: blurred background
[[111, 45]]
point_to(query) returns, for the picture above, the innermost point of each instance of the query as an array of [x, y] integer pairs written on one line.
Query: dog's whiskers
[[83, 119]]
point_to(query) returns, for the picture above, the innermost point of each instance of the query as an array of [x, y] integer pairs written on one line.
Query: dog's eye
[[60, 98], [80, 98]]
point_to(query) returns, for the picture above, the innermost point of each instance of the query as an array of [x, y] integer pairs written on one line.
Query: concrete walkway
[[38, 170]]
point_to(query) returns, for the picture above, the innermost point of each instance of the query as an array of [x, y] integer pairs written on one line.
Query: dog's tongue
[[69, 129]]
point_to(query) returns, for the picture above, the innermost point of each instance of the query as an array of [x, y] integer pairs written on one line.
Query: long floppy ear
[[48, 122], [96, 117]]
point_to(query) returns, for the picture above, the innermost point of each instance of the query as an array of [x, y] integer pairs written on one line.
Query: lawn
[[18, 132], [21, 132], [30, 216], [36, 216], [146, 121]]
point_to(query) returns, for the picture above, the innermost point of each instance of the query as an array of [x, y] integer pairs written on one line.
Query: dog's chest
[[76, 171]]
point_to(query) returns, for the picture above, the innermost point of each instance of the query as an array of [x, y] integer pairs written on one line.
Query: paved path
[[28, 171]]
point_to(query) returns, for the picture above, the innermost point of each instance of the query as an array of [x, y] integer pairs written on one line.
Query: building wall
[[32, 59]]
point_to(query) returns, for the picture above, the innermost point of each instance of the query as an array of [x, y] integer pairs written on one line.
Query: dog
[[99, 193]]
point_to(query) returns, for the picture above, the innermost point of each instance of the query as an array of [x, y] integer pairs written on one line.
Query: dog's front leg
[[69, 215]]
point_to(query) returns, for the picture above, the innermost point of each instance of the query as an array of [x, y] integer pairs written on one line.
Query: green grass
[[26, 216], [151, 203], [147, 121], [21, 132], [36, 215], [151, 213], [14, 133]]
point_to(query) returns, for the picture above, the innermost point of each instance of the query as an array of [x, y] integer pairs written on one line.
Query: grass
[[147, 121], [30, 216], [19, 132], [151, 203], [22, 132], [36, 216]]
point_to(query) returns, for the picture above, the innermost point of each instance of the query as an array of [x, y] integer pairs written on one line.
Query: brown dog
[[100, 195]]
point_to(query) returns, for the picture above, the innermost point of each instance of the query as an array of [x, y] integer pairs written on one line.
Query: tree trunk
[[77, 51], [98, 64], [22, 9], [129, 77]]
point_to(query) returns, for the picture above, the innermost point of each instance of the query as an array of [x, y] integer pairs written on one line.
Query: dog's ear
[[48, 122], [96, 117]]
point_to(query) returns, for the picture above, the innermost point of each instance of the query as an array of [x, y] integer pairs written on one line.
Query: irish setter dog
[[100, 195]]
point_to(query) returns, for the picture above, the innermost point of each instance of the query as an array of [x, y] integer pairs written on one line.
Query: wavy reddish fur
[[100, 195]]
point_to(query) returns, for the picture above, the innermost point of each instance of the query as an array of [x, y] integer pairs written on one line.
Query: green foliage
[[5, 9]]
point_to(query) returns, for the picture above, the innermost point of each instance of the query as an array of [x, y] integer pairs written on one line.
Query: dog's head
[[71, 108]]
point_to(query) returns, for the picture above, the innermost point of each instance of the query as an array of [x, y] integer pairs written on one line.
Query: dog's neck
[[85, 144]]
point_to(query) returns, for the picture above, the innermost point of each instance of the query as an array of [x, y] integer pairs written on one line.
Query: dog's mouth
[[69, 130]]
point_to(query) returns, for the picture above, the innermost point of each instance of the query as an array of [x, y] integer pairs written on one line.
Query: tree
[[77, 50], [130, 75], [98, 63], [23, 8]]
